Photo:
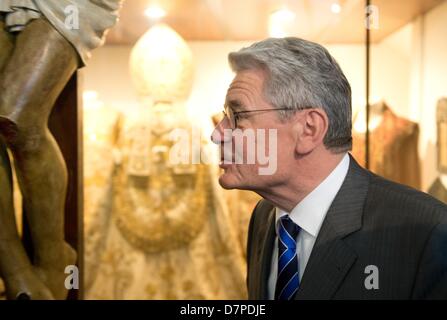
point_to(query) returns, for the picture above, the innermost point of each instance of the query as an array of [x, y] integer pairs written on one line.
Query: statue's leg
[[15, 266], [7, 219], [39, 68]]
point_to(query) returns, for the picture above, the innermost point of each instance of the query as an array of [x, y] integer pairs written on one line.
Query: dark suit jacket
[[372, 221]]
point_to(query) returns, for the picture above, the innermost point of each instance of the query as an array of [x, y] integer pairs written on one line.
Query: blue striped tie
[[288, 279]]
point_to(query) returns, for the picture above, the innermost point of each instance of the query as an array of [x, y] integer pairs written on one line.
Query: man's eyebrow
[[235, 105]]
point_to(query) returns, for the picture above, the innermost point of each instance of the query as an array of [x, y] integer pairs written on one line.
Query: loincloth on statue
[[17, 13], [83, 23]]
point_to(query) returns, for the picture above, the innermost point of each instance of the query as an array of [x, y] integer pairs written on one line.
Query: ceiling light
[[336, 8], [155, 12], [283, 15], [280, 23]]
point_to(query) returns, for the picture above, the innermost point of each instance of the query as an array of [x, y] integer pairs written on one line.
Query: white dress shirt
[[309, 215]]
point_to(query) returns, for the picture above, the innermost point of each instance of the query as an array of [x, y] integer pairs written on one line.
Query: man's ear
[[310, 127]]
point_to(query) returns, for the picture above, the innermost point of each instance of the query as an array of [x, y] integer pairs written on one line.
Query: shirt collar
[[309, 214]]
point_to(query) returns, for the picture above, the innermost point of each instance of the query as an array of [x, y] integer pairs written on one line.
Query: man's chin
[[228, 181]]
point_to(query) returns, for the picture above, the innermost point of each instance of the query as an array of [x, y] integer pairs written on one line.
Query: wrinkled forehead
[[245, 89]]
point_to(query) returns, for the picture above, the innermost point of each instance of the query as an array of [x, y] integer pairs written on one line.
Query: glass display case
[[407, 91]]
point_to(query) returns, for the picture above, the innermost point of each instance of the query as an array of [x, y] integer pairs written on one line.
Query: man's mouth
[[224, 163], [226, 157], [224, 166]]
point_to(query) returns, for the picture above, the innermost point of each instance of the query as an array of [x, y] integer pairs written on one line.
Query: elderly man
[[326, 228]]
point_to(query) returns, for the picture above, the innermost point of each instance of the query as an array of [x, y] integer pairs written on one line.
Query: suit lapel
[[331, 258], [264, 253]]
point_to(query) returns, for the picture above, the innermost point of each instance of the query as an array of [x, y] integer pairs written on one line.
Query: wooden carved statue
[[40, 49]]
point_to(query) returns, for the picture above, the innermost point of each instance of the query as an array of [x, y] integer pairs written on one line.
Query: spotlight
[[336, 8], [155, 12]]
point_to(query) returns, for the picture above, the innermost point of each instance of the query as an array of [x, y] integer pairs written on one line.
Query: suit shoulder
[[406, 200]]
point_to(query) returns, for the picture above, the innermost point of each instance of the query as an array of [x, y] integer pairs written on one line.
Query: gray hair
[[302, 74]]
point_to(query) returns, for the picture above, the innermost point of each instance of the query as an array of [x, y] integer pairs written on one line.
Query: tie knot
[[289, 226]]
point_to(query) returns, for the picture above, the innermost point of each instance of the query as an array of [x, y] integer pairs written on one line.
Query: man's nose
[[222, 132]]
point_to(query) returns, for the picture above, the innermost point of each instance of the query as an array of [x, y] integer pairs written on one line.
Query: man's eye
[[239, 116]]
